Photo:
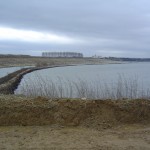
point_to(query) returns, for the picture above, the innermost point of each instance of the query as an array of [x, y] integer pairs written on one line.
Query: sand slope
[[40, 123]]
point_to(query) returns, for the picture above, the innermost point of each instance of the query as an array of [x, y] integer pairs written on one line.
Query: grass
[[38, 61], [123, 88], [18, 110]]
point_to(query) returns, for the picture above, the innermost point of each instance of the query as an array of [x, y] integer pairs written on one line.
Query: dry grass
[[40, 123], [34, 61], [122, 88], [15, 110]]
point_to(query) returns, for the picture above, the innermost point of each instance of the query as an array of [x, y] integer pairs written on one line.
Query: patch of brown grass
[[88, 113]]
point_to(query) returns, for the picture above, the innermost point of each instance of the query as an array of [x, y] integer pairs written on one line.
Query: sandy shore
[[126, 137], [60, 124]]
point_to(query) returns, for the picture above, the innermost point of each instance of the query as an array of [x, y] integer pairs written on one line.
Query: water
[[88, 81], [6, 71]]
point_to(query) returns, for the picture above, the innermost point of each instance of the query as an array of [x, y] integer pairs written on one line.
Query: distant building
[[95, 56], [62, 54]]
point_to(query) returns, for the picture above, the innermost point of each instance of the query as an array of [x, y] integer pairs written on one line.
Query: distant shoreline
[[10, 82], [43, 61]]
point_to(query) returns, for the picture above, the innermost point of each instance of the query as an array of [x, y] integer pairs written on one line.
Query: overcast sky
[[118, 28]]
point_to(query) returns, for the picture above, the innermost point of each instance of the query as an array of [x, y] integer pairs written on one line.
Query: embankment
[[9, 83], [96, 114]]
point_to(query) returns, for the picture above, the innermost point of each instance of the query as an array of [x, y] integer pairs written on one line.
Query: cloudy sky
[[118, 28]]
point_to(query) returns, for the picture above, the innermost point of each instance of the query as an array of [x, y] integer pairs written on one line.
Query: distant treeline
[[128, 59], [11, 55], [109, 58]]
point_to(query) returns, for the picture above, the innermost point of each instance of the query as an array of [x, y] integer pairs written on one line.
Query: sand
[[133, 137], [40, 123]]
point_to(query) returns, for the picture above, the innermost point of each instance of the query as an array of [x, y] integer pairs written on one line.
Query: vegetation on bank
[[18, 110], [36, 61], [10, 82], [123, 88], [73, 119]]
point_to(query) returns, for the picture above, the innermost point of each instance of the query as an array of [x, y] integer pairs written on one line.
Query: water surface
[[6, 71], [63, 79]]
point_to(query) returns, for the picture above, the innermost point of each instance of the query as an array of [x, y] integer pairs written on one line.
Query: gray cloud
[[108, 28]]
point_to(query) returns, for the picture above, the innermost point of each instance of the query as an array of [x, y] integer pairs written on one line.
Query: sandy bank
[[10, 82], [39, 123], [96, 114]]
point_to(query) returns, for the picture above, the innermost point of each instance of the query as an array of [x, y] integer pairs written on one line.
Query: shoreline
[[42, 123], [10, 82]]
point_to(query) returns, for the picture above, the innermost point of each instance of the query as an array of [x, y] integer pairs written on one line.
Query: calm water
[[5, 71], [89, 77]]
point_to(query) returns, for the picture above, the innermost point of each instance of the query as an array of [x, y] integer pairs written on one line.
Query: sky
[[117, 28]]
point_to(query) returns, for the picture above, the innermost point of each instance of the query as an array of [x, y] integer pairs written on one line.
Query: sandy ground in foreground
[[73, 124], [126, 137]]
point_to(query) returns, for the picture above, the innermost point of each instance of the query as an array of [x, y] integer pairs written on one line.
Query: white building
[[62, 54]]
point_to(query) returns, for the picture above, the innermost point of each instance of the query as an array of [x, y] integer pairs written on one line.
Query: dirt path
[[133, 137]]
